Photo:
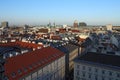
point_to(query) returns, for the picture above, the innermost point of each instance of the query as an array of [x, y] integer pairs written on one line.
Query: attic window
[[57, 54], [30, 66], [42, 61], [25, 69], [39, 62], [51, 57], [33, 65], [54, 55], [36, 64], [19, 71], [13, 74], [45, 60]]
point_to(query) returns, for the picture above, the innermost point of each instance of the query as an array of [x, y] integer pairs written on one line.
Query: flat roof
[[99, 58]]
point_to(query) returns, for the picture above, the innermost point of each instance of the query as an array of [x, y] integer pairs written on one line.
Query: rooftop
[[8, 49], [21, 44], [20, 65], [105, 59]]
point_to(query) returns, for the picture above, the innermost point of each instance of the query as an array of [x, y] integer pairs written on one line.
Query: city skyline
[[39, 12]]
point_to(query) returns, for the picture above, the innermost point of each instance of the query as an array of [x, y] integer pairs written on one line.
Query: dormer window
[[30, 66], [13, 74], [19, 71], [25, 69]]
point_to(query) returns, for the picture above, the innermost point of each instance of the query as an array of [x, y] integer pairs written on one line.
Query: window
[[30, 67], [96, 70], [110, 78], [96, 77], [45, 60], [83, 73], [25, 69], [89, 76], [103, 71], [33, 65], [110, 73], [83, 67], [19, 71], [13, 74], [89, 68], [118, 75], [78, 66], [42, 61], [103, 78], [39, 63], [77, 72], [77, 78]]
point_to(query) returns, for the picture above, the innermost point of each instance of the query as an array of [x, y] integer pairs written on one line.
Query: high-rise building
[[4, 24], [75, 24]]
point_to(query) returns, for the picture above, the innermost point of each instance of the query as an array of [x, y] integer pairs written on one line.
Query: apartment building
[[97, 66]]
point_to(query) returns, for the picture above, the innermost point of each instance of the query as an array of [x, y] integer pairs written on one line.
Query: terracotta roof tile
[[19, 66], [21, 44]]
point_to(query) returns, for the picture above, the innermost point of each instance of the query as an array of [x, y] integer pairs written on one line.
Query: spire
[[49, 23]]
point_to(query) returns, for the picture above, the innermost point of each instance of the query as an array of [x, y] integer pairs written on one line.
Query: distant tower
[[54, 24], [75, 24], [49, 24], [109, 27], [4, 24]]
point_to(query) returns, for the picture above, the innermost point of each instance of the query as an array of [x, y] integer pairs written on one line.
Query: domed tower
[[75, 25]]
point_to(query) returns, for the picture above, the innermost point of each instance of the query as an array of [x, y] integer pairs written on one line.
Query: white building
[[109, 27], [95, 66]]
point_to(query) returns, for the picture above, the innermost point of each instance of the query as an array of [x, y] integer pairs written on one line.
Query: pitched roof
[[21, 44], [56, 37], [105, 59], [77, 31], [21, 65], [8, 49]]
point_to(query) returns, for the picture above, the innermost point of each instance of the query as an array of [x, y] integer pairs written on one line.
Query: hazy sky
[[37, 12]]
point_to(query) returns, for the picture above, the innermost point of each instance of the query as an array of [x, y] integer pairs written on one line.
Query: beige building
[[109, 27]]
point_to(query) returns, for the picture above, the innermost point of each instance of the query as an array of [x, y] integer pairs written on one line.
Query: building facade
[[86, 68], [52, 71], [109, 27], [4, 24]]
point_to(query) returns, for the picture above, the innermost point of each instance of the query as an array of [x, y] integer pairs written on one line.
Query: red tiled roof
[[36, 59], [75, 31], [55, 37], [80, 39], [62, 30], [21, 44]]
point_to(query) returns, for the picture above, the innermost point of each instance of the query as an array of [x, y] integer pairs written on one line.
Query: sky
[[40, 12]]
